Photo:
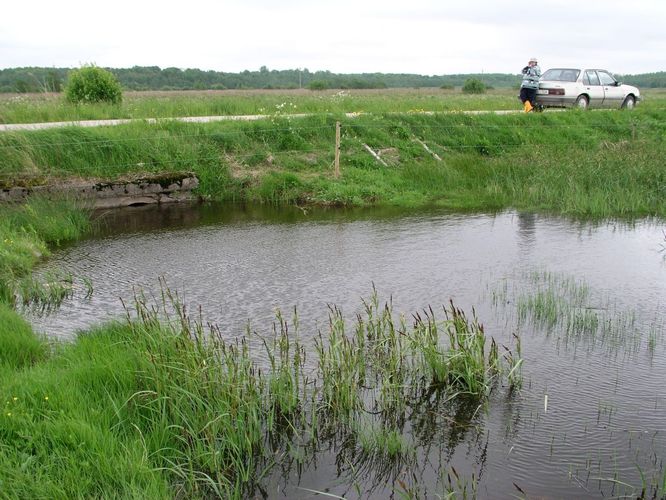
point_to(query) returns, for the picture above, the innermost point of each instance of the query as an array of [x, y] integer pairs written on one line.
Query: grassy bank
[[26, 233], [599, 164]]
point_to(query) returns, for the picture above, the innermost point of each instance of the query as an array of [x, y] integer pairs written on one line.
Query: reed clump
[[563, 306]]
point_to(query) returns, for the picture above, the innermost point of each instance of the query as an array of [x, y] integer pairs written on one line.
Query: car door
[[592, 87], [613, 94]]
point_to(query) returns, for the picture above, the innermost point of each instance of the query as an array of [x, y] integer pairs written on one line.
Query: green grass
[[19, 347], [379, 441], [134, 410], [26, 231], [48, 108], [57, 426], [596, 164]]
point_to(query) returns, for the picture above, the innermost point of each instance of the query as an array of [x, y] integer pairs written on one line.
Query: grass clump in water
[[565, 307]]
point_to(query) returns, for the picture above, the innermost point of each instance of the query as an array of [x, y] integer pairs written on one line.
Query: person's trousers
[[527, 95]]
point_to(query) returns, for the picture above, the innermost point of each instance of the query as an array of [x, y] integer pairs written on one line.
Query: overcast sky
[[344, 36]]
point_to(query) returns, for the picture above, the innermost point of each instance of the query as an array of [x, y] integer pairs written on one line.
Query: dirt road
[[9, 127]]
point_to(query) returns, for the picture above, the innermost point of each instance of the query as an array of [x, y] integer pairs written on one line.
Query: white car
[[584, 88]]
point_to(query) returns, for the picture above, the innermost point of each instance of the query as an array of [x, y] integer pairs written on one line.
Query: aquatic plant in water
[[231, 416], [565, 307]]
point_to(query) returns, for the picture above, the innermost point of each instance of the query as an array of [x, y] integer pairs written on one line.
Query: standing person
[[530, 84]]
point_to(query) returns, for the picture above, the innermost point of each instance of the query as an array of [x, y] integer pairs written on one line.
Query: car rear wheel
[[629, 102], [582, 102]]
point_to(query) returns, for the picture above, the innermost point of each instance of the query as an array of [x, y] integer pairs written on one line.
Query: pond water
[[590, 420]]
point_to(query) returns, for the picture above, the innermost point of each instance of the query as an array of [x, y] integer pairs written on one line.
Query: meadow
[[51, 107], [30, 108]]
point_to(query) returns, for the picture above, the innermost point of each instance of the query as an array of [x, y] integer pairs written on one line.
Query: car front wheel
[[629, 102], [582, 102]]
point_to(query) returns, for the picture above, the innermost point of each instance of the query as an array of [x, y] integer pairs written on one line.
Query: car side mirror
[[617, 84]]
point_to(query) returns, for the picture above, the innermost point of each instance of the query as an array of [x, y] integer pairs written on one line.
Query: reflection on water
[[606, 401]]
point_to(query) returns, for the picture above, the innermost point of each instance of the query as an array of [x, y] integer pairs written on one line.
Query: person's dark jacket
[[531, 77]]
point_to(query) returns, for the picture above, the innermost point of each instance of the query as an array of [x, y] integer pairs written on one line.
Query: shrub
[[92, 84], [474, 86], [318, 85]]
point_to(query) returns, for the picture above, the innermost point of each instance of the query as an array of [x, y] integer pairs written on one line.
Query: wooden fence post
[[337, 150]]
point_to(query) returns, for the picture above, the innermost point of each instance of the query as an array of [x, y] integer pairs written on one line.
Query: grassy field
[[32, 108], [52, 107]]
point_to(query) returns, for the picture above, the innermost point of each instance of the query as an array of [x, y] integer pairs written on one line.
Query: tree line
[[38, 79]]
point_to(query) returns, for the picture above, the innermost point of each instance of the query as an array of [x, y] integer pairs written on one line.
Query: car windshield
[[561, 75]]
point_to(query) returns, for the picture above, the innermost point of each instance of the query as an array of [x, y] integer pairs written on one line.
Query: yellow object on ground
[[528, 106]]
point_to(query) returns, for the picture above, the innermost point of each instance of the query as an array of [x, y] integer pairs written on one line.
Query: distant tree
[[473, 86], [92, 84], [22, 86], [37, 79], [52, 81]]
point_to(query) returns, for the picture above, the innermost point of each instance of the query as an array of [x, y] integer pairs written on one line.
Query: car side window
[[605, 78], [591, 78]]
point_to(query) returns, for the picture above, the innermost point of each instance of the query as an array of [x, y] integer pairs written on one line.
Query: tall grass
[[26, 231], [585, 164], [18, 345]]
